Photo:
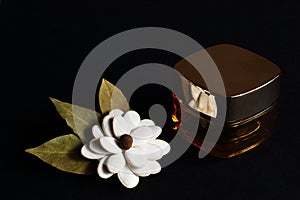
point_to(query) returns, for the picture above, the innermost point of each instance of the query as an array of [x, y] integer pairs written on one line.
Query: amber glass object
[[252, 91]]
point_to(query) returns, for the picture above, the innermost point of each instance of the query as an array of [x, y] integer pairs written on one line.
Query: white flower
[[203, 102], [127, 146]]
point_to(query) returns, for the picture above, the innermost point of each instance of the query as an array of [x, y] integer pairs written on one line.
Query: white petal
[[143, 133], [115, 163], [156, 131], [86, 152], [120, 126], [135, 157], [141, 171], [96, 147], [195, 92], [110, 145], [102, 171], [133, 119], [107, 125], [146, 122], [138, 142], [154, 167], [151, 151], [164, 146], [127, 178], [115, 112], [97, 132]]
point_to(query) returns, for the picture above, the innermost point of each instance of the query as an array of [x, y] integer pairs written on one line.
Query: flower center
[[125, 142]]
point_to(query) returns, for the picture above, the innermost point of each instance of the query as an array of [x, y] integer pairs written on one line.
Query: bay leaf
[[64, 153], [111, 97], [84, 118]]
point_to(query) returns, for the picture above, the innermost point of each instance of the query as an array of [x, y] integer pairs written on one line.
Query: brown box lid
[[251, 81]]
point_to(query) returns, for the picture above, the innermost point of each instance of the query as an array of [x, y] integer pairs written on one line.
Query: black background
[[43, 45]]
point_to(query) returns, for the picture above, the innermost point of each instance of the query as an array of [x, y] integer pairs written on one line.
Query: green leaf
[[111, 97], [83, 117], [63, 153]]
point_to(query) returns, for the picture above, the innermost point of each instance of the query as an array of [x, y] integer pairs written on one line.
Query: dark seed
[[125, 142]]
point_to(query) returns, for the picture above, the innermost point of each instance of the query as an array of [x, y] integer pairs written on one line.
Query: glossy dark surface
[[43, 44]]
